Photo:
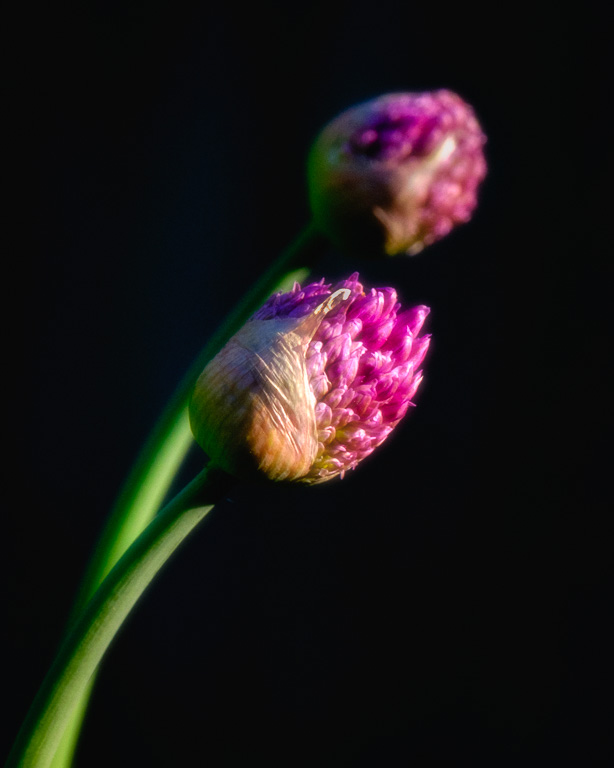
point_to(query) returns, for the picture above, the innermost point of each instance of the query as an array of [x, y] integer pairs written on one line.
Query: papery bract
[[312, 384]]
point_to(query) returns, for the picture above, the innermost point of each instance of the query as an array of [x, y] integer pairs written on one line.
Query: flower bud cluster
[[396, 173], [321, 375], [313, 383]]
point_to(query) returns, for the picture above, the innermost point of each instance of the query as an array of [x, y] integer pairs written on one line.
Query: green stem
[[170, 440], [90, 636], [150, 479]]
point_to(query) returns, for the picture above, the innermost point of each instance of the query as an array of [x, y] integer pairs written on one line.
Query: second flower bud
[[397, 173]]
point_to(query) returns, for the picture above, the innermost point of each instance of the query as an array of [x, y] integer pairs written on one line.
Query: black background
[[446, 603]]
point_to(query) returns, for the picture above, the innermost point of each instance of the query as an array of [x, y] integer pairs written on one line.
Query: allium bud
[[312, 383], [396, 173]]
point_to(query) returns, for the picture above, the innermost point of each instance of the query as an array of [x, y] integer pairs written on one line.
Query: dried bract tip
[[397, 173], [312, 384]]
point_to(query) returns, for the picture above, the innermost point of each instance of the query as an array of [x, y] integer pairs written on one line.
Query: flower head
[[396, 173], [312, 384]]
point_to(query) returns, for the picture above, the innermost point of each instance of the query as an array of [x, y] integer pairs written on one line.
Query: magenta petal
[[324, 415], [338, 348], [414, 318], [414, 386], [420, 349], [320, 385], [377, 335], [395, 411], [343, 372]]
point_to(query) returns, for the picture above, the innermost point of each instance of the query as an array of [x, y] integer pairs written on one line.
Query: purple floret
[[362, 365]]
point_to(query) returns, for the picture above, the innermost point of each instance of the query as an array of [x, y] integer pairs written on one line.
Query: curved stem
[[92, 633], [170, 440], [167, 446]]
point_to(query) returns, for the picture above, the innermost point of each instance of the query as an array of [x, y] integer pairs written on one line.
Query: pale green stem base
[[71, 673], [152, 475], [140, 507]]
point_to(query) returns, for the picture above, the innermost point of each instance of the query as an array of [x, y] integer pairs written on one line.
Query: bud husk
[[252, 410]]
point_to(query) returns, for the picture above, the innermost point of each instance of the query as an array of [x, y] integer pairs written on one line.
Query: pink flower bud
[[312, 384], [397, 173]]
